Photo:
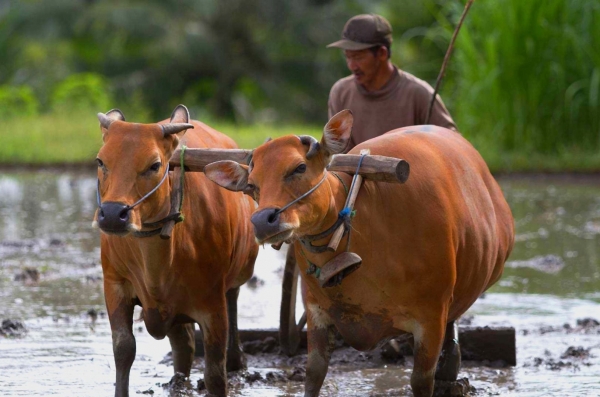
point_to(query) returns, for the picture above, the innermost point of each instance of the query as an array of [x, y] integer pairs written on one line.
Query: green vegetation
[[58, 138], [528, 77], [523, 83]]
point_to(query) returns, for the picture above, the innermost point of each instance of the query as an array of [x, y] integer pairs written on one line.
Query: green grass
[[528, 79], [58, 139]]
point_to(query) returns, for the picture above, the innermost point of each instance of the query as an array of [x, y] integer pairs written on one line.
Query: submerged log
[[374, 168], [476, 343]]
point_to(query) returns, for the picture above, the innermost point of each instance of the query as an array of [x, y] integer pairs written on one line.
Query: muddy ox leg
[[235, 356], [321, 341], [427, 346], [449, 361], [181, 338], [120, 315], [214, 331]]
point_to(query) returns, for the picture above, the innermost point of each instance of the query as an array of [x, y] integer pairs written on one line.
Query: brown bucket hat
[[364, 31]]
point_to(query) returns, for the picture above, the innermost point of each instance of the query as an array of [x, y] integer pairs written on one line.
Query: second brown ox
[[429, 247], [192, 277]]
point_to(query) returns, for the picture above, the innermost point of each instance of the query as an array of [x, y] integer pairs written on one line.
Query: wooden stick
[[446, 59], [176, 192], [197, 159], [339, 233], [373, 168]]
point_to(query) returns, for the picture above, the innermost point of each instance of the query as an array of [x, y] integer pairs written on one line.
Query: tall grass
[[528, 76], [58, 138]]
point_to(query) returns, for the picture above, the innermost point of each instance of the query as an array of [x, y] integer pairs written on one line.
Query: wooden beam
[[476, 343], [197, 159], [373, 167]]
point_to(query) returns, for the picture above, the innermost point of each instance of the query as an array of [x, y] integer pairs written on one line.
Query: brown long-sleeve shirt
[[401, 102]]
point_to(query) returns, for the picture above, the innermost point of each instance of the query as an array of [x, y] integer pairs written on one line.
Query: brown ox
[[429, 247], [194, 276]]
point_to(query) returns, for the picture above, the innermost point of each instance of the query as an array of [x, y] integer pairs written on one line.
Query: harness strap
[[344, 217], [342, 181]]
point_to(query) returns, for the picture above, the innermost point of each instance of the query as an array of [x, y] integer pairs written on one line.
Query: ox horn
[[314, 146], [174, 128], [112, 115]]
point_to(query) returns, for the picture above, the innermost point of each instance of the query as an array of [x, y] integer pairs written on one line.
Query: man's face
[[363, 64]]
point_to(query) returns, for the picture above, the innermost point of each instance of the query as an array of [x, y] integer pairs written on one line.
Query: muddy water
[[553, 279]]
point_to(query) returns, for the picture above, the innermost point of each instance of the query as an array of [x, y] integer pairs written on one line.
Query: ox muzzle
[[113, 217], [267, 224]]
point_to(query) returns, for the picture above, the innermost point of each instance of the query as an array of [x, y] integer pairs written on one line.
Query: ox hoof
[[457, 388], [338, 268], [236, 362]]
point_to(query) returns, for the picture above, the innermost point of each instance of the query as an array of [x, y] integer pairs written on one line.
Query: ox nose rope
[[177, 216], [129, 207], [288, 205]]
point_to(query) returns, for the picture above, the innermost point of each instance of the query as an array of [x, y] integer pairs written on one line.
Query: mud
[[549, 293], [12, 329]]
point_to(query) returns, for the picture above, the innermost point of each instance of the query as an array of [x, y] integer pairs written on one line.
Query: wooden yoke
[[197, 159], [339, 233], [373, 168]]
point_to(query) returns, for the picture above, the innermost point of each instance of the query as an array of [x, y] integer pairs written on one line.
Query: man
[[381, 96]]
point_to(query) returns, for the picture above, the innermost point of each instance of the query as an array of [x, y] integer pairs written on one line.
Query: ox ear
[[178, 124], [228, 174], [337, 132], [180, 114]]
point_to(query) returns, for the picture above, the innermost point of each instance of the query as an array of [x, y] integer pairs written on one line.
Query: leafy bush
[[528, 74], [17, 101], [82, 91]]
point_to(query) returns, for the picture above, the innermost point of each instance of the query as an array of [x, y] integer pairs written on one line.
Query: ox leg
[[182, 342], [427, 346], [235, 357], [120, 315], [321, 341], [214, 331], [449, 361]]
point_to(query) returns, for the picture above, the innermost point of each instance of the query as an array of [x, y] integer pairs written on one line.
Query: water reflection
[[553, 277]]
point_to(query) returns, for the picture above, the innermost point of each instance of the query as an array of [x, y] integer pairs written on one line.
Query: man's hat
[[365, 31]]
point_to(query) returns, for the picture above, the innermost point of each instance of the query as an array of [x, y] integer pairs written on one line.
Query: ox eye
[[155, 167], [301, 169], [100, 163]]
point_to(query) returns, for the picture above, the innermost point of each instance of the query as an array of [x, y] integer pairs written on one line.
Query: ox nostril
[[274, 217], [124, 215], [101, 214]]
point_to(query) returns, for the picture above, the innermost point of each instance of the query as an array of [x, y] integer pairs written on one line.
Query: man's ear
[[106, 119], [337, 133], [228, 174]]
